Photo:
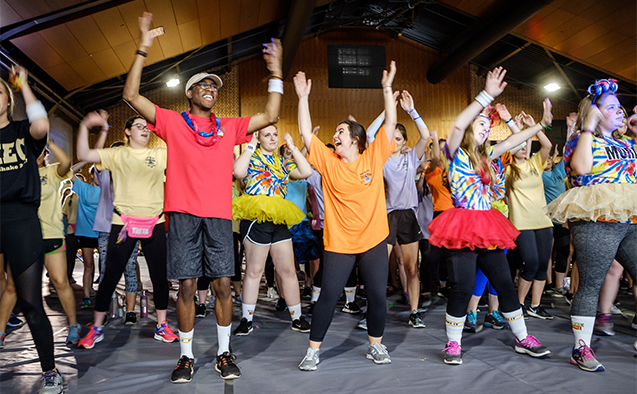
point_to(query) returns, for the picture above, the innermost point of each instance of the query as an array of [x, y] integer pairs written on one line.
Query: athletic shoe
[[301, 325], [453, 353], [183, 371], [94, 336], [307, 292], [531, 346], [2, 336], [559, 293], [603, 324], [539, 312], [245, 328], [74, 334], [525, 313], [86, 303], [272, 294], [471, 323], [226, 367], [131, 318], [615, 310], [14, 321], [201, 311], [584, 358], [281, 305], [568, 298], [52, 382], [378, 353], [165, 334], [311, 360], [352, 308], [405, 299], [362, 324], [444, 293], [237, 300], [424, 301], [415, 320], [496, 321], [634, 323]]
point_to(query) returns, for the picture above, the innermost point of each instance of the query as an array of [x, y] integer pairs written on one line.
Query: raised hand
[[494, 85], [571, 119], [146, 35], [93, 119], [547, 116], [317, 128], [406, 101], [388, 76], [593, 117], [273, 56], [18, 77], [303, 86], [352, 118], [104, 115], [527, 119], [433, 135], [519, 122], [503, 111], [289, 142]]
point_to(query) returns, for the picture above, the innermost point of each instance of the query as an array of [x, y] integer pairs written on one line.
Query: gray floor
[[129, 360]]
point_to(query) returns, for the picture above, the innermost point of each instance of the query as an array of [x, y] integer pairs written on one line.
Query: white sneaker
[[311, 360], [272, 294], [52, 382]]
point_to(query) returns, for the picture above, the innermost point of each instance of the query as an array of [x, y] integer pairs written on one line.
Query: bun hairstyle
[[596, 92]]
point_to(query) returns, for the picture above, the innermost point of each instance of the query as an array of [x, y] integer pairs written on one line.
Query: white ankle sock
[[516, 322], [247, 311], [185, 343], [295, 311], [316, 292], [454, 327], [350, 294], [223, 338], [582, 329]]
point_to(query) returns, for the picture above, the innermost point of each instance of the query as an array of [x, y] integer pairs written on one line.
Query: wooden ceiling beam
[[297, 21]]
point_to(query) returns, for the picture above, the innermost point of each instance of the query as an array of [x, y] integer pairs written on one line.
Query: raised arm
[[273, 56], [36, 113], [375, 126], [64, 161], [144, 106], [493, 87], [506, 117], [240, 166], [85, 153], [303, 169], [407, 103], [303, 87], [436, 158], [516, 139], [390, 101], [582, 159]]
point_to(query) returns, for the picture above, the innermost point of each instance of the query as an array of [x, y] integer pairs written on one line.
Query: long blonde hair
[[10, 103]]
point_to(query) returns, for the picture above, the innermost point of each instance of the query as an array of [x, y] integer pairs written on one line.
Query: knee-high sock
[[582, 329], [516, 322], [185, 343], [454, 326]]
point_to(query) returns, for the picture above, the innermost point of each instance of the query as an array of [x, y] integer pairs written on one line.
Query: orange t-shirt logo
[[366, 176]]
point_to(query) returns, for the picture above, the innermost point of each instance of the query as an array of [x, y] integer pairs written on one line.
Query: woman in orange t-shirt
[[355, 217]]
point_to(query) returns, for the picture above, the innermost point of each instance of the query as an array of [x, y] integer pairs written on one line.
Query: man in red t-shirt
[[198, 193]]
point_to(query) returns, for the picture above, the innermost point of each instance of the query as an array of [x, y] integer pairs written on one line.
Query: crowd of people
[[460, 215]]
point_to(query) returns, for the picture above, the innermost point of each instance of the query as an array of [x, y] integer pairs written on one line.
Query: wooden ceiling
[[601, 33]]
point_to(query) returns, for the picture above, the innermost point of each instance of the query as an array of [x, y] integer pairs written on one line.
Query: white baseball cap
[[200, 77]]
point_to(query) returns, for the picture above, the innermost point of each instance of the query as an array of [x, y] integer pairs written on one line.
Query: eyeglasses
[[140, 126], [206, 85]]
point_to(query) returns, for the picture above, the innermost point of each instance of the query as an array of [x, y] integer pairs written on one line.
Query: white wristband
[[275, 86], [36, 111], [484, 98], [250, 147]]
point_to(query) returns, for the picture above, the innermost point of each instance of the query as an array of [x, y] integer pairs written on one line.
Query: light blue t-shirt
[[554, 182], [297, 193], [88, 198]]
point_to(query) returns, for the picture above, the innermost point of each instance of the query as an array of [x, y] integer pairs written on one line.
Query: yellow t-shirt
[[69, 208], [526, 200], [138, 180], [50, 211], [354, 193]]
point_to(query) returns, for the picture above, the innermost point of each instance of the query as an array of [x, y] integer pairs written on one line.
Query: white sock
[[516, 322], [223, 338], [454, 327], [247, 311], [582, 329], [350, 294], [295, 311], [185, 343], [316, 292]]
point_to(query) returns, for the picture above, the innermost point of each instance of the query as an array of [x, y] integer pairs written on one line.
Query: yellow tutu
[[266, 209], [601, 202]]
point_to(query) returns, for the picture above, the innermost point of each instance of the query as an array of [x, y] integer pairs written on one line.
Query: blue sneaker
[[2, 336], [584, 358], [14, 321], [86, 303], [471, 323], [74, 334], [496, 321]]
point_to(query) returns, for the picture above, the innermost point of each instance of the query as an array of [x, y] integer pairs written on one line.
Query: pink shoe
[[165, 333], [94, 336]]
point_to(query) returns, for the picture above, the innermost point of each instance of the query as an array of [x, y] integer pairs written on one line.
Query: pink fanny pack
[[136, 227]]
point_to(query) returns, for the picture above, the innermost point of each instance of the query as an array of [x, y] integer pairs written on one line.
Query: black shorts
[[199, 246], [20, 236], [86, 242], [403, 226], [266, 233], [54, 246]]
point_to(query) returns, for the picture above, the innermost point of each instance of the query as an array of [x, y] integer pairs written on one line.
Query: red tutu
[[468, 228]]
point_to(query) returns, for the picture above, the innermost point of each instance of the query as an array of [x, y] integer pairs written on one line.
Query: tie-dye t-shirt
[[262, 180], [614, 161], [498, 189], [467, 189]]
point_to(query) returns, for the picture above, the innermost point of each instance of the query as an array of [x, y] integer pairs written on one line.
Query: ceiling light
[[172, 82], [551, 87]]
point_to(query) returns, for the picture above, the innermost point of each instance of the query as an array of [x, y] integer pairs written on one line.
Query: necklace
[[203, 138]]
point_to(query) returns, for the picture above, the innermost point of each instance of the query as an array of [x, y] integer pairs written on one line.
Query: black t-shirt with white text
[[19, 176]]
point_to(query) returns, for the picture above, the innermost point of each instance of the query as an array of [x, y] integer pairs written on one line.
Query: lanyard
[[203, 138]]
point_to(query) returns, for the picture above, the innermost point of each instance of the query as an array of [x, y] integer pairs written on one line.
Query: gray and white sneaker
[[378, 353], [415, 320], [311, 360], [52, 382]]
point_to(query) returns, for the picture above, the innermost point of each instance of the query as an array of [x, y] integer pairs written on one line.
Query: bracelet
[[588, 131], [484, 98], [507, 121], [36, 111], [142, 53], [250, 147], [275, 86], [413, 109], [544, 127], [416, 118], [277, 76]]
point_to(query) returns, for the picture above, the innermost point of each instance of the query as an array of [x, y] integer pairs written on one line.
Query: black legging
[[21, 243], [71, 252], [535, 249], [352, 280], [118, 254], [461, 266], [238, 257], [562, 245], [374, 268]]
